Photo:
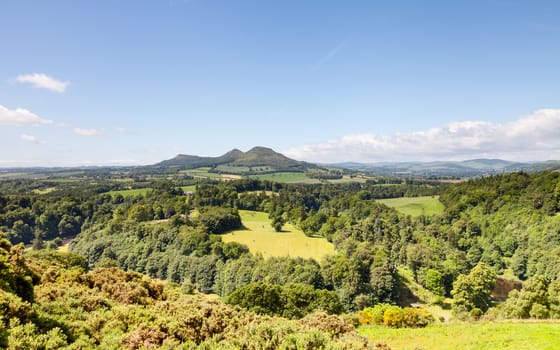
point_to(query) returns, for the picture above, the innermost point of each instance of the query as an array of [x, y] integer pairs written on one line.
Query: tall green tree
[[473, 290]]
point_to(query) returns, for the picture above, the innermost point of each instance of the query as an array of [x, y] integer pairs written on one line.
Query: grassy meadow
[[283, 177], [526, 335], [130, 193], [415, 206], [260, 237]]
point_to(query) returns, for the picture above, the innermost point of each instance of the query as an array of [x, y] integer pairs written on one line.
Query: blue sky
[[138, 81]]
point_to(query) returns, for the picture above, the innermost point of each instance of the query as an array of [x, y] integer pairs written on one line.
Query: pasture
[[518, 335], [415, 206], [260, 237], [283, 177], [130, 193]]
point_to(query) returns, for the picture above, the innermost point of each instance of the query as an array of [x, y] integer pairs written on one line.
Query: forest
[[134, 259]]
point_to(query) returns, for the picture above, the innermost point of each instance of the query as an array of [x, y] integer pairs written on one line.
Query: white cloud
[[43, 81], [86, 132], [532, 137], [20, 117], [31, 139]]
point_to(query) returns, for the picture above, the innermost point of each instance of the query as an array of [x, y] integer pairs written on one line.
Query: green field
[[202, 173], [191, 188], [130, 193], [415, 206], [44, 190], [260, 237], [283, 177], [526, 335]]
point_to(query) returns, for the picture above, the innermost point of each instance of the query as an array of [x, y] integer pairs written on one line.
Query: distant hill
[[461, 169], [236, 161]]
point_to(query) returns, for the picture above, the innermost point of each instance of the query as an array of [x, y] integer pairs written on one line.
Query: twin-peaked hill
[[258, 158]]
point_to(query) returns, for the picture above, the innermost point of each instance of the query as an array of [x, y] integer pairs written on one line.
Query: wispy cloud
[[329, 56], [531, 137], [43, 81], [20, 117], [32, 139], [86, 132]]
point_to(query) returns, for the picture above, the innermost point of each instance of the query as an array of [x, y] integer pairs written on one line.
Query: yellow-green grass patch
[[130, 193], [527, 335], [260, 237], [190, 188], [44, 190], [415, 206]]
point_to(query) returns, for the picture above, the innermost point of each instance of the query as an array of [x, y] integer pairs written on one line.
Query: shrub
[[539, 311], [373, 315], [394, 316], [332, 324]]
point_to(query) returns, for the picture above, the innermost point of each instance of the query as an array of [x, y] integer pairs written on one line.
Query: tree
[[434, 282], [531, 301], [473, 290], [277, 223]]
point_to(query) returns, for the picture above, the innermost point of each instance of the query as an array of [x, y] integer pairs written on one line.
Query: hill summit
[[255, 157]]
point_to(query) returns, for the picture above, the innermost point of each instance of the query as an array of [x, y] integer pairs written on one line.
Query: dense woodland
[[505, 225]]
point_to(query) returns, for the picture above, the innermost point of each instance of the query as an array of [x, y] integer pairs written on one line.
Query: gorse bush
[[395, 316]]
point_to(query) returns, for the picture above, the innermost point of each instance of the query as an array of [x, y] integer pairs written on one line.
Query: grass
[[283, 177], [527, 335], [203, 173], [44, 190], [191, 188], [415, 206], [233, 169], [260, 237], [130, 193]]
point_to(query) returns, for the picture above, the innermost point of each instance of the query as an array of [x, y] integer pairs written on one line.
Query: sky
[[130, 82]]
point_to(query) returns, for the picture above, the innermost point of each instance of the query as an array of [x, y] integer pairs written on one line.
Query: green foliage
[[15, 276], [434, 282], [218, 220], [537, 299], [473, 290], [290, 301]]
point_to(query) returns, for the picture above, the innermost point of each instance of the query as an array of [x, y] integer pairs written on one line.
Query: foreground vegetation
[[73, 308]]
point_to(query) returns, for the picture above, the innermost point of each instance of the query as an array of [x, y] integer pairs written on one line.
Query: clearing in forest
[[260, 237], [415, 206]]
